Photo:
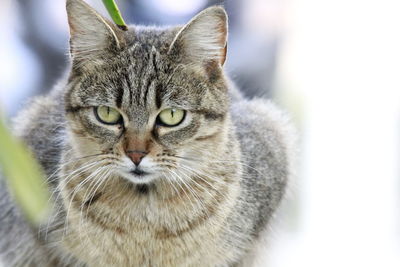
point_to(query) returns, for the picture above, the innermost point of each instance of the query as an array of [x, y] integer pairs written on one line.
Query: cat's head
[[147, 101]]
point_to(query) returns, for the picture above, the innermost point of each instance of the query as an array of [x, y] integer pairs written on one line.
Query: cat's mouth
[[139, 172], [138, 175]]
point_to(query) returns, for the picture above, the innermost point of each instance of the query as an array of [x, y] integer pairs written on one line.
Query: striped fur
[[215, 179]]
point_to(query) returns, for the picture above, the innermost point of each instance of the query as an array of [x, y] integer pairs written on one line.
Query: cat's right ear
[[91, 34]]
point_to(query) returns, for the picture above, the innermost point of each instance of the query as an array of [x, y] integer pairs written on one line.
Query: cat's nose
[[136, 156]]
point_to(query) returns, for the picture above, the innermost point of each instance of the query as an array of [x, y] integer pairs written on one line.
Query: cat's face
[[149, 103]]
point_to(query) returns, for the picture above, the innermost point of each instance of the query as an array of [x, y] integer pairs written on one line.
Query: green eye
[[171, 116], [107, 115]]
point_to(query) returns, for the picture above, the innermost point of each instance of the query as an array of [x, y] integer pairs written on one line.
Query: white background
[[341, 61]]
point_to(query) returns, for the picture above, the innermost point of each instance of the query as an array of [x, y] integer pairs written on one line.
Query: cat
[[154, 158]]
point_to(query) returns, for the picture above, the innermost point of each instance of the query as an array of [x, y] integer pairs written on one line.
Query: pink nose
[[136, 156]]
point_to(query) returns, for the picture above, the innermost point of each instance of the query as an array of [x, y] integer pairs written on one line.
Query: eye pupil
[[171, 117], [107, 115]]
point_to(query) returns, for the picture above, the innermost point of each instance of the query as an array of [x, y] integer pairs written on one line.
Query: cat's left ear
[[204, 38], [91, 34]]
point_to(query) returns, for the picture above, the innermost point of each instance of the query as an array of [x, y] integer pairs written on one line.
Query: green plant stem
[[115, 14]]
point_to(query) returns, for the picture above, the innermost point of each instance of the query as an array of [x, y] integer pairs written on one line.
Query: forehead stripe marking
[[158, 97], [120, 93], [152, 68], [149, 82]]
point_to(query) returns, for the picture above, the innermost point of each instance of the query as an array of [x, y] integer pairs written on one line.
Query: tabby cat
[[153, 156]]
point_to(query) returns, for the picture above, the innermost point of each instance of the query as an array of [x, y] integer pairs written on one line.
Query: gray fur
[[238, 152]]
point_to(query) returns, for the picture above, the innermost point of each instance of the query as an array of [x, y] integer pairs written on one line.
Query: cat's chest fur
[[143, 230]]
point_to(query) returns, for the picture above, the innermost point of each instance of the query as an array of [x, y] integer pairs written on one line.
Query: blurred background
[[334, 65]]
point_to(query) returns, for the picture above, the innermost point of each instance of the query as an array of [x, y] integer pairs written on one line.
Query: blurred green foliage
[[24, 176]]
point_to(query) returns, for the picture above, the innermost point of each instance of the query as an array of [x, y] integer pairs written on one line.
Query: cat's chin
[[139, 177]]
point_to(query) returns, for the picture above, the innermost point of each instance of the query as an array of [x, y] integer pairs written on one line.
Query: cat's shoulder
[[42, 111], [264, 131], [262, 114], [40, 125]]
